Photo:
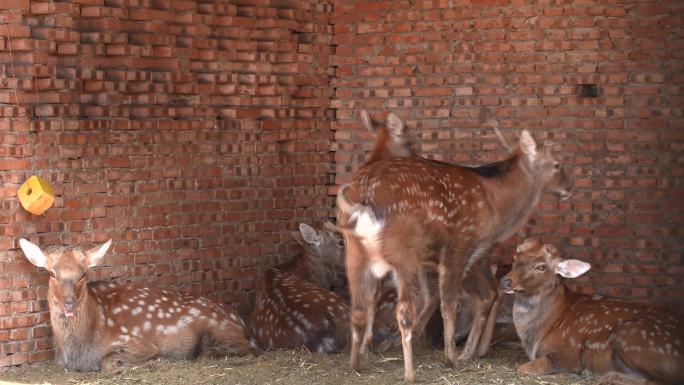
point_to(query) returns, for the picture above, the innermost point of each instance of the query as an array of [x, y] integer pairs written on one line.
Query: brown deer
[[482, 298], [295, 306], [99, 325], [564, 331], [412, 214]]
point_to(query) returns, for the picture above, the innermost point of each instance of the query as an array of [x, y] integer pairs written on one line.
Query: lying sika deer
[[295, 307], [99, 325], [564, 331], [409, 214]]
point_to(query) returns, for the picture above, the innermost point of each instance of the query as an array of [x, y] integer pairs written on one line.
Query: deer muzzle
[[506, 285], [69, 307]]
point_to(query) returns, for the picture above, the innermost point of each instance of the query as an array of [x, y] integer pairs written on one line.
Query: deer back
[[294, 313]]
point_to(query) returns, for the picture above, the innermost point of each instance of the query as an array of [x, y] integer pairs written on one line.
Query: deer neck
[[75, 337], [310, 268], [535, 315], [513, 196]]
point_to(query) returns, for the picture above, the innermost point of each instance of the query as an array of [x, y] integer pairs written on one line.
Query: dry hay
[[304, 368]]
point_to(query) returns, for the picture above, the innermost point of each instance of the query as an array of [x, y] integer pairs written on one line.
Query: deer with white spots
[[565, 331], [109, 327], [295, 307], [411, 214], [480, 307]]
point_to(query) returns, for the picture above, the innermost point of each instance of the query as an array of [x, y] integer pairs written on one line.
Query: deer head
[[543, 167], [535, 269], [67, 268]]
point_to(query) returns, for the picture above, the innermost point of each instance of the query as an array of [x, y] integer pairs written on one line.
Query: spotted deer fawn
[[564, 331], [411, 214], [99, 325], [295, 306]]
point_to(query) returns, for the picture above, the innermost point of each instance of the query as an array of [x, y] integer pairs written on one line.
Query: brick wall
[[193, 133], [447, 66]]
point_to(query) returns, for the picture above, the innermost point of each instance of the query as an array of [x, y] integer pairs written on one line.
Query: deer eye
[[557, 166], [541, 267]]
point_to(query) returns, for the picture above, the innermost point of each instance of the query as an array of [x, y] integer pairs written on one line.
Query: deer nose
[[69, 304], [506, 283]]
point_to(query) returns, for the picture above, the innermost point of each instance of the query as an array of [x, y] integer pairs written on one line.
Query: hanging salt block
[[36, 195]]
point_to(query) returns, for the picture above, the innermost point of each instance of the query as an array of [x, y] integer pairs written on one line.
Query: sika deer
[[483, 300], [564, 331], [410, 213], [295, 307], [99, 325]]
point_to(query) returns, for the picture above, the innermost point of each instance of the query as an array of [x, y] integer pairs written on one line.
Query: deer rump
[[293, 313]]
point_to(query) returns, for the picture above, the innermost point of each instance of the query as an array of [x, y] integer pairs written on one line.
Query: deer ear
[[528, 145], [572, 268], [395, 126], [33, 253], [309, 234], [297, 236], [365, 118], [95, 256]]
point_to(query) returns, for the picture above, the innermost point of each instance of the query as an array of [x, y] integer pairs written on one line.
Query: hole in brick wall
[[588, 90]]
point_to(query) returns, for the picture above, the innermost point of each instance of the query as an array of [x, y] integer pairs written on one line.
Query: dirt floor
[[304, 368]]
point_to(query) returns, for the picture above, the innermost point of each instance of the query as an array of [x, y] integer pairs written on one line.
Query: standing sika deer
[[410, 214], [98, 325], [295, 307], [564, 331], [480, 287]]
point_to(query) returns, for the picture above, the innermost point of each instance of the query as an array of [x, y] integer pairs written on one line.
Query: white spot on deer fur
[[116, 310], [148, 315], [147, 325], [136, 310], [124, 329], [194, 312], [110, 322]]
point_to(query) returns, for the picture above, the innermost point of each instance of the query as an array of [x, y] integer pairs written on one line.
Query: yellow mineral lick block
[[36, 195]]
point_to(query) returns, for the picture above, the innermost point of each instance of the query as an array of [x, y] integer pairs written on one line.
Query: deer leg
[[615, 378], [449, 291], [134, 352], [541, 365], [362, 285], [480, 285], [486, 339], [431, 301], [370, 316], [227, 338], [408, 306]]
